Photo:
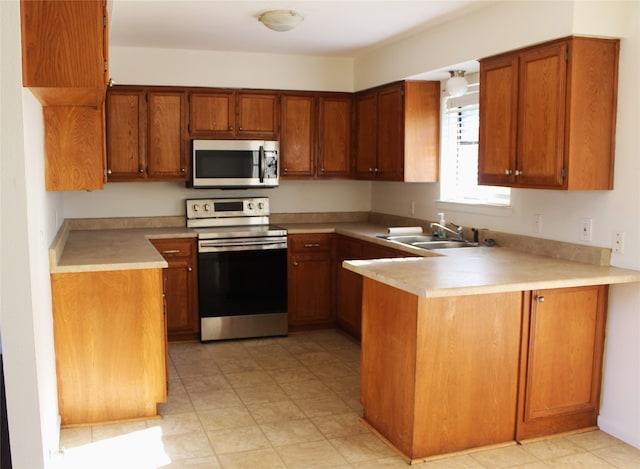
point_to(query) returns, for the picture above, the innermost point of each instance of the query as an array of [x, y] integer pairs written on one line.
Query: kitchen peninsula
[[481, 347]]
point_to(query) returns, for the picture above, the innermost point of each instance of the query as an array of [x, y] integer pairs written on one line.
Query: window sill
[[475, 208]]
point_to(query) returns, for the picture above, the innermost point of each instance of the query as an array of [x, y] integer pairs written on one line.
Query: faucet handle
[[457, 227]]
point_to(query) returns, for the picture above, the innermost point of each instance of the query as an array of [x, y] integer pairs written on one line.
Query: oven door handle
[[223, 244]]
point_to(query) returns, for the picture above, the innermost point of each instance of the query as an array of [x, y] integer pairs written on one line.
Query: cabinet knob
[[239, 128], [141, 170], [109, 172], [230, 127], [322, 170], [508, 172], [295, 263], [371, 170], [376, 170], [518, 173], [286, 170], [182, 170], [189, 269], [540, 299]]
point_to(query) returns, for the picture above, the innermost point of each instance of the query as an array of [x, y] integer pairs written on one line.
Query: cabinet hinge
[[104, 21], [106, 65], [566, 56], [564, 173]]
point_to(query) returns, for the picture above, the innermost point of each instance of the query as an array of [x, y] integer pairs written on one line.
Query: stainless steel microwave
[[235, 163]]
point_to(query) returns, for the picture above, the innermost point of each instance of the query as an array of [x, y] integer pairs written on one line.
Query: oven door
[[242, 293]]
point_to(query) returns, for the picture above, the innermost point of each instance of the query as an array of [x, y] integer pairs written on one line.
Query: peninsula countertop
[[478, 270]]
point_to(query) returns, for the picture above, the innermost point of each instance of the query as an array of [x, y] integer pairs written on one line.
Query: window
[[459, 157]]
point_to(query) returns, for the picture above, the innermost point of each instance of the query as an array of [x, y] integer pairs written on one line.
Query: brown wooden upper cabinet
[[64, 51], [146, 134], [315, 136], [228, 114], [398, 132], [547, 115]]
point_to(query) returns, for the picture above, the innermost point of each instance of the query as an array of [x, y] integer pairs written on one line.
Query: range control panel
[[223, 208]]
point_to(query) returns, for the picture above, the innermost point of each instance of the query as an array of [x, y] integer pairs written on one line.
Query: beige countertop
[[115, 249], [445, 272], [478, 270]]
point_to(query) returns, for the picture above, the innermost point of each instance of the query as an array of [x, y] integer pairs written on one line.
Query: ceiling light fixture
[[281, 20], [457, 84]]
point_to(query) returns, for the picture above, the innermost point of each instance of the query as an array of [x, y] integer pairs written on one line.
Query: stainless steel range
[[242, 268]]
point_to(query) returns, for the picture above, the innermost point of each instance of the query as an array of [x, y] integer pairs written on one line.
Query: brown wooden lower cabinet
[[180, 287], [349, 284], [441, 375], [310, 280], [561, 361], [110, 344]]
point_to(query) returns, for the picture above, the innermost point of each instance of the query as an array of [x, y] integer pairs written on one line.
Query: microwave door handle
[[261, 163]]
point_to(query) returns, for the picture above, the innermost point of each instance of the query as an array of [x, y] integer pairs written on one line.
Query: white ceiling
[[330, 28]]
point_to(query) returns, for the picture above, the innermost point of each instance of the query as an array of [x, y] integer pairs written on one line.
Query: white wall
[[27, 229], [127, 199], [138, 66], [617, 210]]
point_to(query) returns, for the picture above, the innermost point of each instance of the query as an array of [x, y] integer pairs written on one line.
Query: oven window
[[224, 163], [242, 282]]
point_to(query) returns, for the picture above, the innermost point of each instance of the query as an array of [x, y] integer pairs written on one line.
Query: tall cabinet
[[547, 115], [65, 65]]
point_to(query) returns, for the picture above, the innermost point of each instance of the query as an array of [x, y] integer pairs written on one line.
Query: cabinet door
[[561, 362], [498, 121], [180, 287], [166, 154], [212, 114], [310, 280], [348, 286], [366, 135], [74, 148], [126, 134], [334, 136], [257, 115], [297, 142], [63, 51], [390, 134], [541, 116]]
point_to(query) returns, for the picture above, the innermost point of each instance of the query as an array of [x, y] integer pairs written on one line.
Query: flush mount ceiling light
[[457, 84], [281, 20]]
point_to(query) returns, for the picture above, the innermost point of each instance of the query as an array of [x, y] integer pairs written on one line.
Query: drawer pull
[[171, 251], [311, 245]]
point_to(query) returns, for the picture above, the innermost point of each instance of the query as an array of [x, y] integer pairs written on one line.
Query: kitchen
[[35, 219]]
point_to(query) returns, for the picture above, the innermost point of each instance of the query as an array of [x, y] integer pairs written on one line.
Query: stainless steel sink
[[444, 244], [409, 239], [425, 241]]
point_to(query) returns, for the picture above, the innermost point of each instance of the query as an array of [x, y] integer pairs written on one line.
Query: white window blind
[[459, 159]]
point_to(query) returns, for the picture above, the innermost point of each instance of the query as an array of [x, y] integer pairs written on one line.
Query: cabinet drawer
[[174, 247], [310, 242]]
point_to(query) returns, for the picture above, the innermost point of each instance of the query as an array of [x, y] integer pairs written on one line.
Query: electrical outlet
[[618, 242], [586, 227], [537, 223]]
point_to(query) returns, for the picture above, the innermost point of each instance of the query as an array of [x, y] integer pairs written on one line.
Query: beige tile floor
[[288, 403]]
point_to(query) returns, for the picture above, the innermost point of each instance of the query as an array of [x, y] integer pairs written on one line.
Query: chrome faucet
[[458, 230]]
